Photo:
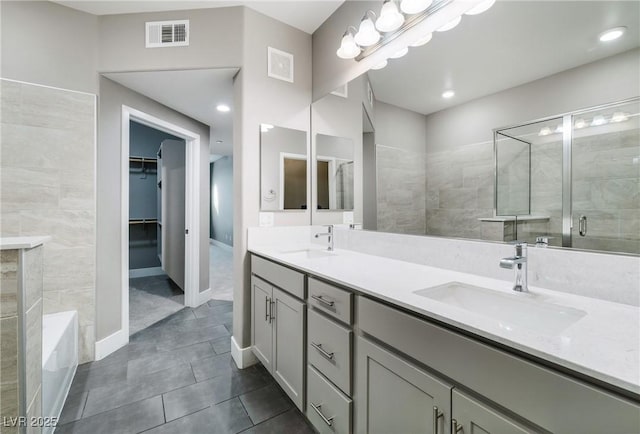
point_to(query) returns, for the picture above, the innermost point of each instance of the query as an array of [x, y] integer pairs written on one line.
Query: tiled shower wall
[[459, 185], [401, 190], [47, 164]]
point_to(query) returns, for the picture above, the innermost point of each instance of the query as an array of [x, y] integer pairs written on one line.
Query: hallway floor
[[177, 376], [221, 272], [151, 299]]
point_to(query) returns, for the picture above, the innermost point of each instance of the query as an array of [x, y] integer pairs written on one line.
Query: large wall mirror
[[519, 123], [334, 172], [283, 169]]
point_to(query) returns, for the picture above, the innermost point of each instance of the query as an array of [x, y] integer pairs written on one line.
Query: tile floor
[[177, 376], [221, 272]]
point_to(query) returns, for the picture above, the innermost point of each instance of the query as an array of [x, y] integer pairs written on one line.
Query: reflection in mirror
[[283, 168], [334, 160], [573, 177]]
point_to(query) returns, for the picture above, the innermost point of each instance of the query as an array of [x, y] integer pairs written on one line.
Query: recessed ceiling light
[[218, 141], [223, 108], [612, 34], [448, 94]]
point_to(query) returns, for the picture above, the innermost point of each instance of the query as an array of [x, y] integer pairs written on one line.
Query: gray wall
[[400, 162], [144, 141], [112, 97], [576, 88], [45, 43], [261, 99], [221, 227]]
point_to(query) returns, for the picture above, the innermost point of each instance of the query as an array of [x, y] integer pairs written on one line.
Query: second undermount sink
[[510, 311], [308, 253]]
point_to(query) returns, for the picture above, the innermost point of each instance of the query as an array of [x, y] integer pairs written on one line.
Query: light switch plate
[[266, 219], [347, 218]]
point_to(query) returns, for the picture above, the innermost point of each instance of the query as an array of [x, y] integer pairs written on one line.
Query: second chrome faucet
[[329, 235], [519, 263]]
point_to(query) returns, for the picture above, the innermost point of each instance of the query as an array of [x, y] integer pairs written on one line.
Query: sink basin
[[308, 253], [510, 311]]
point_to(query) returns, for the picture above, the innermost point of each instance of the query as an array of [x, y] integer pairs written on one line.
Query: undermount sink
[[308, 253], [510, 311]]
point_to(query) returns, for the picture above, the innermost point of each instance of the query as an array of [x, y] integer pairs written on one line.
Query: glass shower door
[[606, 179]]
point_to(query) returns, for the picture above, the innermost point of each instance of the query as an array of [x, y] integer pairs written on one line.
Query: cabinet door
[[288, 345], [261, 330], [474, 417], [394, 396]]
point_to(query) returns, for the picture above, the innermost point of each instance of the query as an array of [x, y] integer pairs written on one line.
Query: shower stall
[[573, 180]]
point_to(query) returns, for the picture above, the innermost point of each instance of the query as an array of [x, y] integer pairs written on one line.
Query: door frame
[[287, 156], [192, 202]]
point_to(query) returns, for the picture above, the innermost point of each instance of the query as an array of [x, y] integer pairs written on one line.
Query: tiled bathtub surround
[[21, 282], [47, 173]]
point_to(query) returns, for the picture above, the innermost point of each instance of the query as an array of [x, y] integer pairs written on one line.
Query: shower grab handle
[[582, 225]]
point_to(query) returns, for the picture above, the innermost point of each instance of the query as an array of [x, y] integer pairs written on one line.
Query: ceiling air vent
[[167, 33]]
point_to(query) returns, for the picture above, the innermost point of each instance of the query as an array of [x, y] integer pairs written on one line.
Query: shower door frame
[[567, 168]]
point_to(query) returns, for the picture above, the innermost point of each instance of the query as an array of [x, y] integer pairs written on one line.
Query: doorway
[[185, 143]]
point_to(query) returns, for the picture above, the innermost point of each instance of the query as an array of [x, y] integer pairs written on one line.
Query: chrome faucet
[[329, 235], [519, 262]]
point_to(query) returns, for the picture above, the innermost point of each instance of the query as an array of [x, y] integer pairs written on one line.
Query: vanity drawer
[[331, 300], [329, 349], [329, 410], [282, 277]]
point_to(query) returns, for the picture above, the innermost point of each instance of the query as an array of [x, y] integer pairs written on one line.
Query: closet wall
[[144, 143]]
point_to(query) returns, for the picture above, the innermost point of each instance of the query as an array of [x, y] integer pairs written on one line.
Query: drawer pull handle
[[455, 428], [437, 415], [324, 418], [322, 300], [322, 350]]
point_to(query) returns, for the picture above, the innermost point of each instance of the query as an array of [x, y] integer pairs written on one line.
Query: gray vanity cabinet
[[394, 396], [470, 416], [261, 329], [278, 329]]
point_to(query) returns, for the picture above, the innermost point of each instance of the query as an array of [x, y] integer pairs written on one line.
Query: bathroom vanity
[[368, 344]]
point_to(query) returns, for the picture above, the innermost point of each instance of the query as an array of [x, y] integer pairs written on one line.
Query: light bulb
[[423, 40], [380, 65], [450, 25], [545, 131], [367, 34], [400, 53], [612, 34], [619, 117], [598, 120], [390, 19], [411, 7], [580, 123], [348, 47], [481, 7]]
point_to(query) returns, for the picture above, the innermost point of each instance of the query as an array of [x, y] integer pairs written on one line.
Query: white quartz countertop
[[603, 343], [14, 243]]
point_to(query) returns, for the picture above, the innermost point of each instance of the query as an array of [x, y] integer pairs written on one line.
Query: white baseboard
[[204, 296], [111, 343], [145, 272], [243, 357], [221, 245]]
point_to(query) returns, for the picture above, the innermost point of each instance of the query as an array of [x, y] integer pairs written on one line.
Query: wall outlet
[[347, 218], [266, 219]]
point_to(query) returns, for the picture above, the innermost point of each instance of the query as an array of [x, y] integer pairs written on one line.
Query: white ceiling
[[513, 43], [196, 93], [306, 15]]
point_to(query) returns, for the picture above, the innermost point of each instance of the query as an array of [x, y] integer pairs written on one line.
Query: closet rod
[[143, 160], [142, 221]]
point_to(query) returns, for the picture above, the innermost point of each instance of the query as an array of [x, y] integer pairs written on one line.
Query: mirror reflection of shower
[[573, 179]]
